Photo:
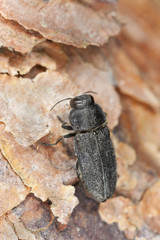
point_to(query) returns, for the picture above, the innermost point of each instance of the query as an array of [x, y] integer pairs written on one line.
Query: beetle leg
[[59, 139], [67, 127]]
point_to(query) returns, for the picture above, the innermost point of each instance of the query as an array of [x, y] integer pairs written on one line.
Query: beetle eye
[[92, 99]]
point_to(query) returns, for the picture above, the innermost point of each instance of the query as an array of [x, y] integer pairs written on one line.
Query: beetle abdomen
[[96, 162]]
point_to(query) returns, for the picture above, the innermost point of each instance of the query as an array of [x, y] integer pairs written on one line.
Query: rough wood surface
[[43, 59]]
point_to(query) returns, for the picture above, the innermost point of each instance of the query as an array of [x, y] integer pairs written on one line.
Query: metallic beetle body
[[96, 164]]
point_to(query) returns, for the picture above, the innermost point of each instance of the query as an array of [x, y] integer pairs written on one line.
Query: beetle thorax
[[87, 118]]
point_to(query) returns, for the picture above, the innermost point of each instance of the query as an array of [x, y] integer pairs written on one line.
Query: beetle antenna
[[59, 102], [69, 99], [91, 92]]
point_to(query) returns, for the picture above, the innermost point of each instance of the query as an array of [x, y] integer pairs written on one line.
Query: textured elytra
[[96, 164]]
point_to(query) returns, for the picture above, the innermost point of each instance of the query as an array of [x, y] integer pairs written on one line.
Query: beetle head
[[81, 101]]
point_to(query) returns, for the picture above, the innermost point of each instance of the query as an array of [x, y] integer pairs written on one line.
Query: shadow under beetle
[[96, 165]]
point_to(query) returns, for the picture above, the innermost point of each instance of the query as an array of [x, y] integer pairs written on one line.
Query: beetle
[[96, 165]]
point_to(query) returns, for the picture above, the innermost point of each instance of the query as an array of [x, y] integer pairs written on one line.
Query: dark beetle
[[96, 165]]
